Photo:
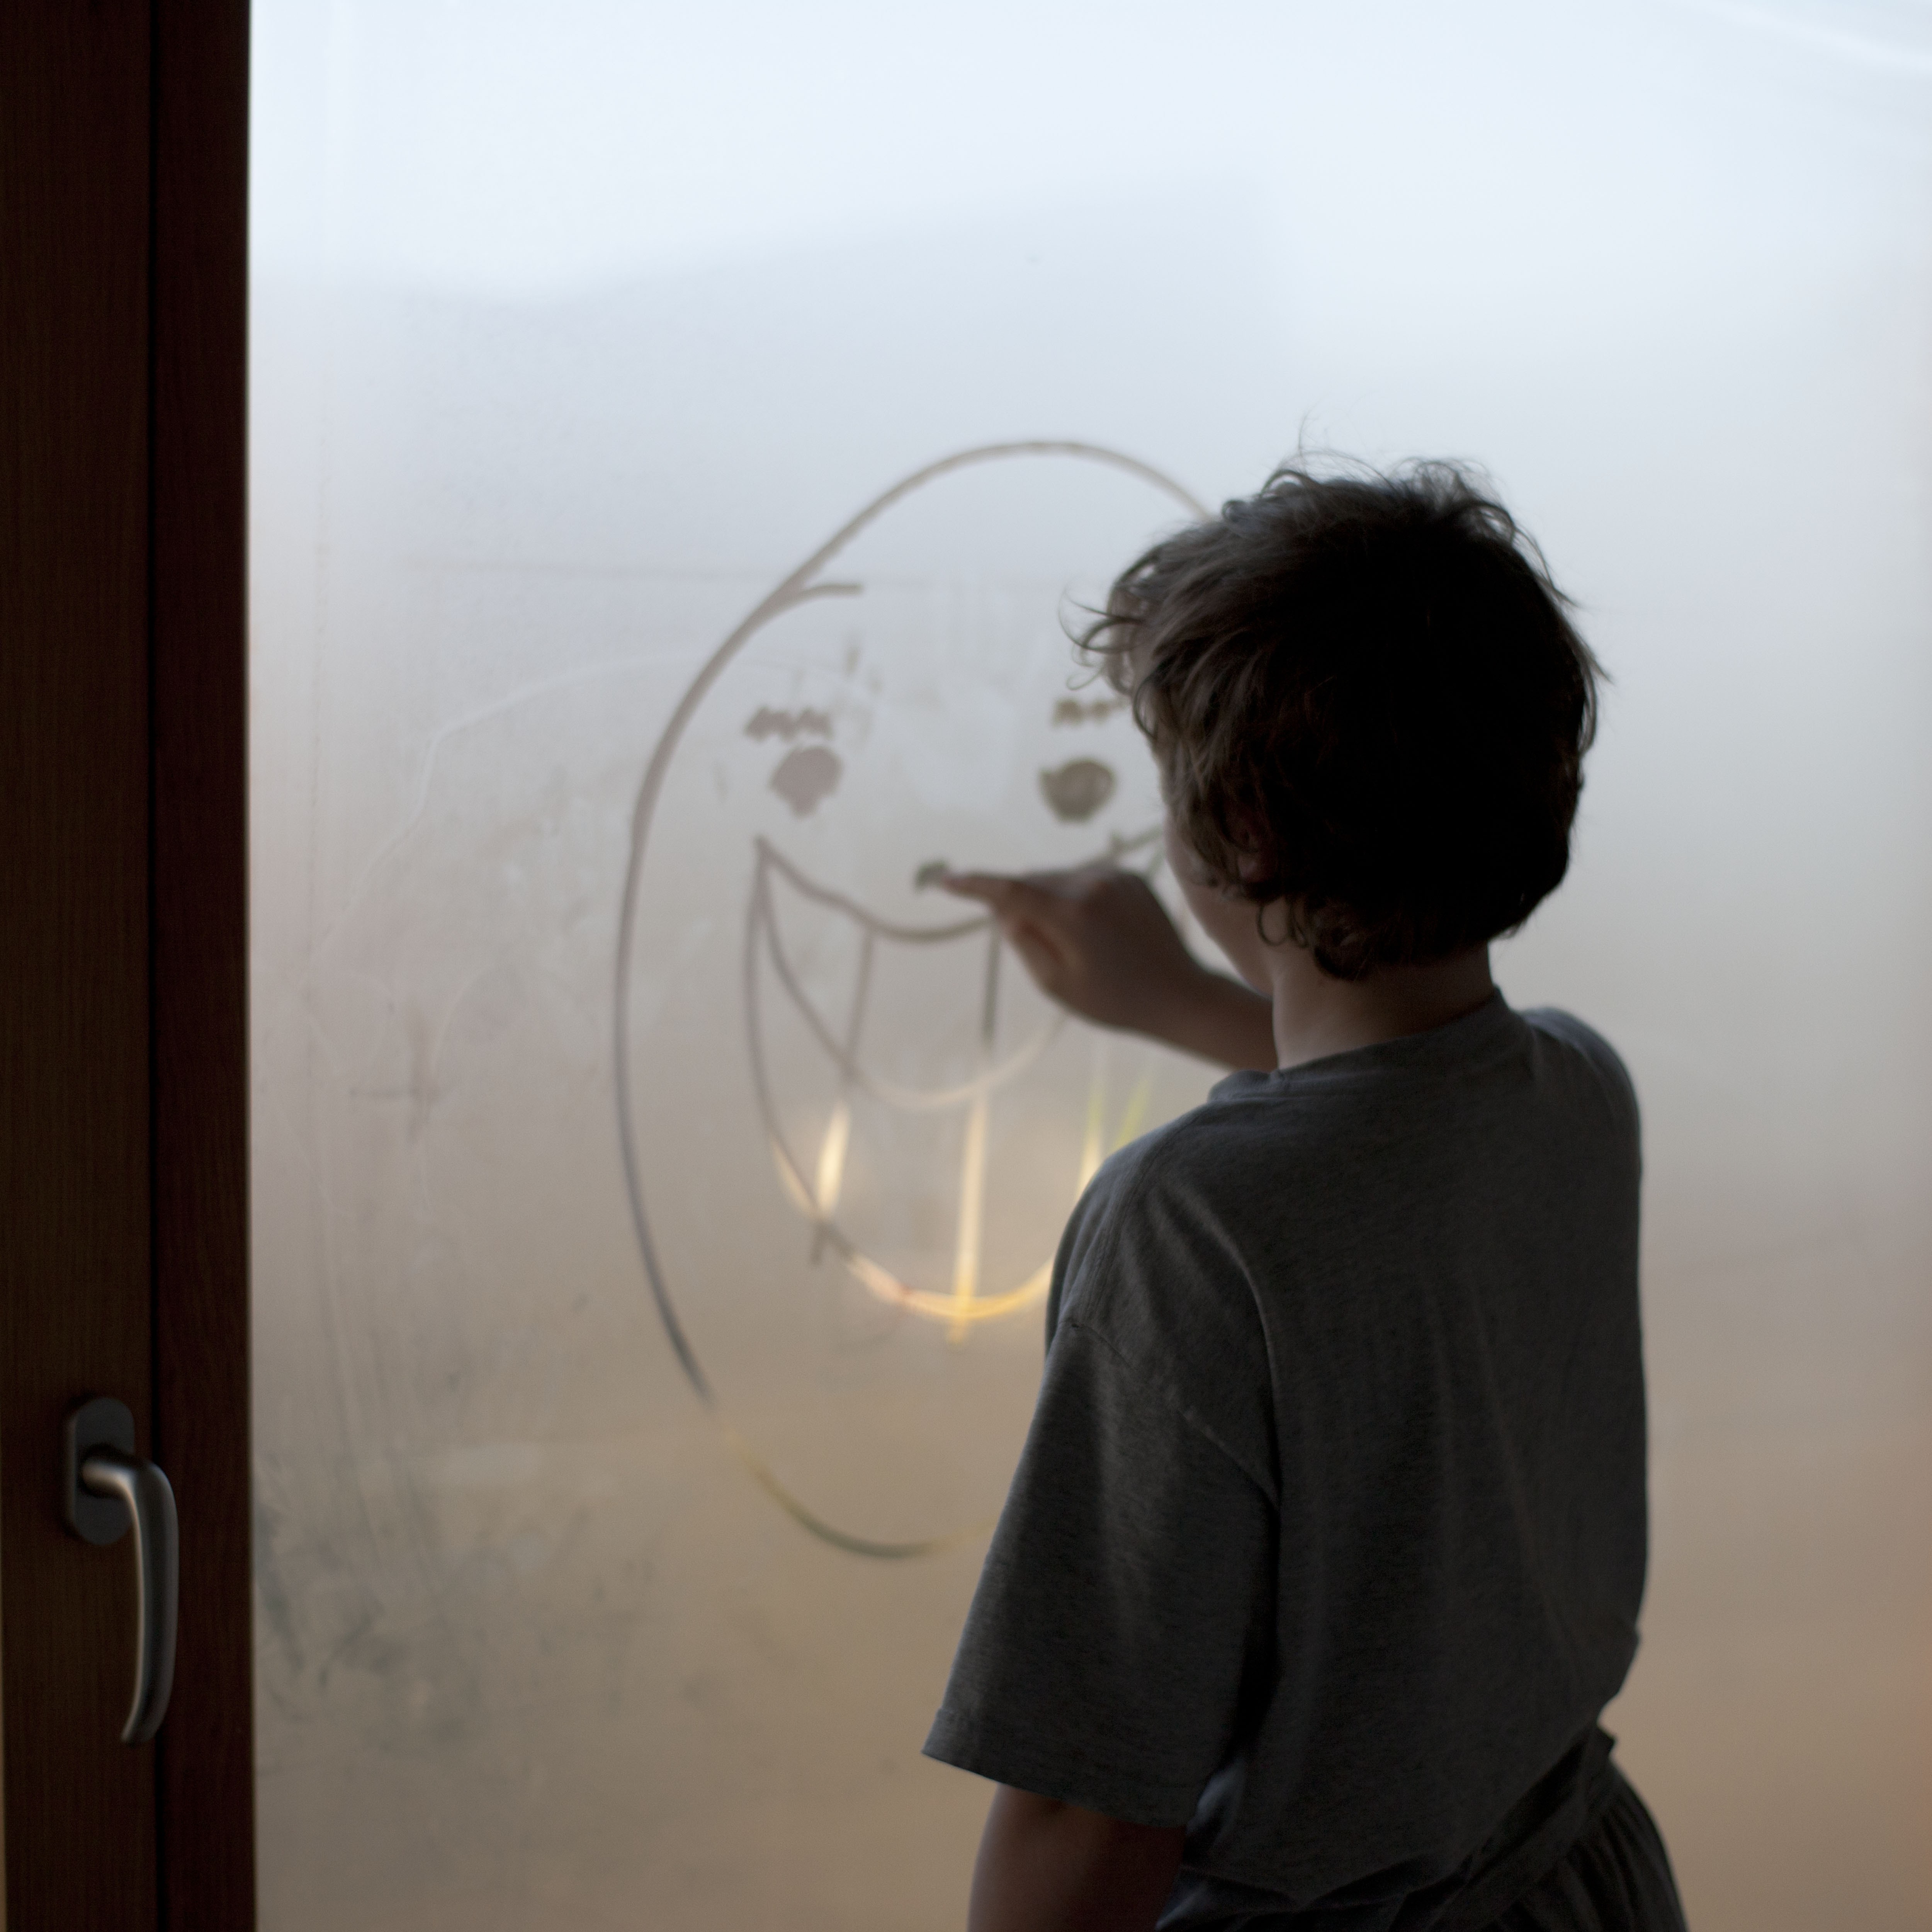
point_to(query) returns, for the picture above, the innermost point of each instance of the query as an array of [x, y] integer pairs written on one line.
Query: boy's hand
[[1098, 941]]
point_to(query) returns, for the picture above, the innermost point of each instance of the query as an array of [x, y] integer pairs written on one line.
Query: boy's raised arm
[[1098, 941], [1046, 1866]]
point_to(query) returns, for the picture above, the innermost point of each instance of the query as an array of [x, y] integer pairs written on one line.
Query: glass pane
[[682, 438]]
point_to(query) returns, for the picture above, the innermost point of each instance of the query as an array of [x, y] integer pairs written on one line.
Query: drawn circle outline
[[797, 588]]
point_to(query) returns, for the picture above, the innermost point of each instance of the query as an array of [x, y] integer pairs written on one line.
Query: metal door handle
[[109, 1488]]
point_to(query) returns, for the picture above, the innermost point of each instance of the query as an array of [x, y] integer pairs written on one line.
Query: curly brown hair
[[1368, 705]]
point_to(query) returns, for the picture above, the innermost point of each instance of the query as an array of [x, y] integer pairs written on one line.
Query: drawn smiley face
[[852, 1129]]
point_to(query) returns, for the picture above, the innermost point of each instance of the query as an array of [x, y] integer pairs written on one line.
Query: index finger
[[1003, 892]]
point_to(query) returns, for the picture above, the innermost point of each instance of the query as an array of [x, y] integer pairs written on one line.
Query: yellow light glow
[[972, 1206], [963, 1304]]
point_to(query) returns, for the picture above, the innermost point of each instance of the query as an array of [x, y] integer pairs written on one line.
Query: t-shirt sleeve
[[1127, 1595]]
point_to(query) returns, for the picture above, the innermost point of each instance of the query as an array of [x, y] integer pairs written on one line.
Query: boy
[[1326, 1549]]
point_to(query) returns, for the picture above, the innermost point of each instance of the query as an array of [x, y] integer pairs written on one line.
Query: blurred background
[[577, 330]]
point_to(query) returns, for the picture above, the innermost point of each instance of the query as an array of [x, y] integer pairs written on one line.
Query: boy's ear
[[1257, 861]]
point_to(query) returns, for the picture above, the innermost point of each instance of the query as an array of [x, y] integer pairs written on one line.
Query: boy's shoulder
[[1269, 1161], [1486, 1059], [1585, 1047]]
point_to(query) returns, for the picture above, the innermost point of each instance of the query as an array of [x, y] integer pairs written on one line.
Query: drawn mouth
[[814, 1186]]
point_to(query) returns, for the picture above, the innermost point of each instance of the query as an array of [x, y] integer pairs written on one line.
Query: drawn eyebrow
[[1089, 710], [769, 721]]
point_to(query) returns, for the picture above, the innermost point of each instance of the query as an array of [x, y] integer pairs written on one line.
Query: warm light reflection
[[972, 1214], [964, 1304], [832, 1166], [818, 1199]]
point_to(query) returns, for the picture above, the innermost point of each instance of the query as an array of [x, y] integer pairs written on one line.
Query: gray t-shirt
[[1328, 1538]]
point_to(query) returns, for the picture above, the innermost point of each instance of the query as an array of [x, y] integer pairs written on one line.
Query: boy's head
[[1367, 705]]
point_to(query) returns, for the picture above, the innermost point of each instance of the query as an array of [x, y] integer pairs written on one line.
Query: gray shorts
[[1615, 1878]]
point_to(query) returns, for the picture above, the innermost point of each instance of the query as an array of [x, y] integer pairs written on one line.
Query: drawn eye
[[1077, 790], [811, 774]]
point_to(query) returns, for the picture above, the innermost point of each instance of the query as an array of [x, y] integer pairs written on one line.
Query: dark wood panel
[[74, 1266], [199, 696]]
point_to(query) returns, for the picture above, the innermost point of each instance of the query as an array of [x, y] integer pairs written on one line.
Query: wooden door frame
[[124, 1150]]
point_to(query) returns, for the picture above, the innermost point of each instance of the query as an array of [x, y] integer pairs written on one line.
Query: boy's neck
[[1315, 1015]]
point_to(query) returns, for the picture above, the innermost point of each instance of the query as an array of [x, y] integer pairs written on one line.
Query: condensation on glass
[[683, 441]]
